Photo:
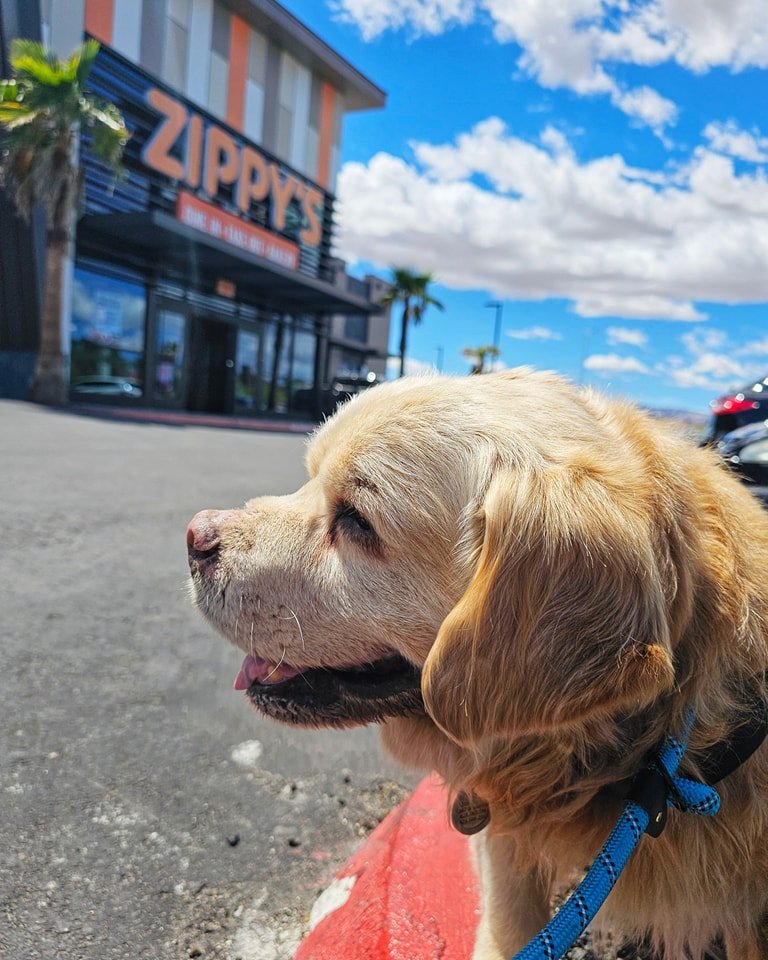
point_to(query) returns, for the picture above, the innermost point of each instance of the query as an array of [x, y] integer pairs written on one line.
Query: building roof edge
[[270, 17]]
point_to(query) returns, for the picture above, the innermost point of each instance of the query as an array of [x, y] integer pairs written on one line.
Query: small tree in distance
[[43, 109], [478, 355], [412, 291]]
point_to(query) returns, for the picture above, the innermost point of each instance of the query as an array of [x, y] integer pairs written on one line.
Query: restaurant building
[[203, 278]]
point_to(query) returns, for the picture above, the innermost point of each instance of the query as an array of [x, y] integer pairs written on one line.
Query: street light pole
[[499, 307]]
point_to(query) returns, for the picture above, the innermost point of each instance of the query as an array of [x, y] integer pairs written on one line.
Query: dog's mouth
[[332, 697]]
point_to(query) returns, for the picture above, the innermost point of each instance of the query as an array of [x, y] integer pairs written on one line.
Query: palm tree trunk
[[50, 385], [404, 335]]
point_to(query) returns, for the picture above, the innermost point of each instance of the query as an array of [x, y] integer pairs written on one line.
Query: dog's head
[[480, 548]]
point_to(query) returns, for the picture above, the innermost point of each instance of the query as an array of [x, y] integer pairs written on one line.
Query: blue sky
[[597, 165]]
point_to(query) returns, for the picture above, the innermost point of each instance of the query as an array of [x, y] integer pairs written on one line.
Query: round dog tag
[[469, 813]]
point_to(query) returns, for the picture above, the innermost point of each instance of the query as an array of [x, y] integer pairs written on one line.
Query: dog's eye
[[346, 514]]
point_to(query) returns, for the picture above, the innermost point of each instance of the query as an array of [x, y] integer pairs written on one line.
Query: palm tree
[[43, 110], [477, 356], [412, 291]]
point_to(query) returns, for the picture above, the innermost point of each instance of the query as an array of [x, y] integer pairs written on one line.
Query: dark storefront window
[[277, 366], [107, 336], [247, 365], [288, 368], [169, 366], [356, 328], [304, 398], [304, 347], [347, 363]]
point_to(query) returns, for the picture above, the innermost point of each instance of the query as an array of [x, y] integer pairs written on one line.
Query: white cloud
[[641, 307], [623, 335], [534, 333], [728, 138], [710, 370], [374, 17], [710, 362], [528, 220], [754, 348], [608, 363], [703, 340], [711, 33], [647, 106], [570, 43]]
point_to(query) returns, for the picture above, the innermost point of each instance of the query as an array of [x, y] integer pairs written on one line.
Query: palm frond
[[83, 59], [10, 112], [10, 92], [13, 116], [21, 47], [43, 110], [432, 302], [108, 131], [102, 113], [32, 62]]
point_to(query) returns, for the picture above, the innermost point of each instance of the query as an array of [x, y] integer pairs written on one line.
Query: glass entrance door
[[211, 386]]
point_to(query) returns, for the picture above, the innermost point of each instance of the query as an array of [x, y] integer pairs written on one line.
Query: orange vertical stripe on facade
[[327, 105], [99, 16], [239, 44]]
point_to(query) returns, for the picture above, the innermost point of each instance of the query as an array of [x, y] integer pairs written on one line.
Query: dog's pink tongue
[[265, 671]]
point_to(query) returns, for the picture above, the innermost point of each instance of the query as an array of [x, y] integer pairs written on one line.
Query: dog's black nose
[[203, 539]]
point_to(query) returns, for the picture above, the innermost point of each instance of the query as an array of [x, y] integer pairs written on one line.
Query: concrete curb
[[183, 418]]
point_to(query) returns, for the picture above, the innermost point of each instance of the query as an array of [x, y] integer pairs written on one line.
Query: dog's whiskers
[[301, 632], [239, 611], [277, 665]]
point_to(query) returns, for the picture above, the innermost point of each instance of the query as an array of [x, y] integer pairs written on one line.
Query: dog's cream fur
[[571, 576]]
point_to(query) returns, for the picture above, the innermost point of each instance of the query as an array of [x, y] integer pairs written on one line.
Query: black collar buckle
[[650, 790]]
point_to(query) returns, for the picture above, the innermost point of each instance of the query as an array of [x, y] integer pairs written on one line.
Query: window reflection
[[107, 336], [277, 365], [304, 399], [304, 346], [247, 366], [170, 354]]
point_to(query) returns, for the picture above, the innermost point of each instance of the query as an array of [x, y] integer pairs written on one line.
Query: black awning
[[161, 238]]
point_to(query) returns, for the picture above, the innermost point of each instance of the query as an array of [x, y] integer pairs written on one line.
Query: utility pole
[[499, 307], [439, 360]]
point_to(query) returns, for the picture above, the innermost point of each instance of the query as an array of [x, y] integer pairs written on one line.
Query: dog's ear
[[565, 617]]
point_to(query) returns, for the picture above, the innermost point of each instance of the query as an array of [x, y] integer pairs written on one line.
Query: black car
[[746, 405], [746, 451], [341, 389]]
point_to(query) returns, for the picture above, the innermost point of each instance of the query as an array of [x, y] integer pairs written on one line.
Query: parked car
[[746, 405], [340, 389], [745, 450], [106, 387]]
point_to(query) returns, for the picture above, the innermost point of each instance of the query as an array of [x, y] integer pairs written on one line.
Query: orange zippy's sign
[[212, 158], [220, 225]]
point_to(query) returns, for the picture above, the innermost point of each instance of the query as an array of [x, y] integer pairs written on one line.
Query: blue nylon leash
[[578, 911]]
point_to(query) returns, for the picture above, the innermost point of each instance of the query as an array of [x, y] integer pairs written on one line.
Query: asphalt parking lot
[[147, 812]]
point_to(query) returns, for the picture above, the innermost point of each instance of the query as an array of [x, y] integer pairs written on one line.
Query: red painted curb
[[183, 418], [413, 893]]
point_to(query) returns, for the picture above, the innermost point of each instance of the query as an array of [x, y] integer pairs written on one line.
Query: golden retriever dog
[[527, 586]]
